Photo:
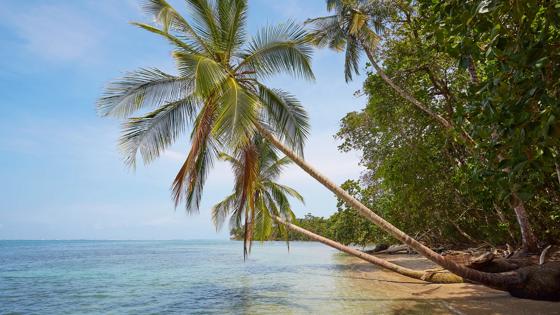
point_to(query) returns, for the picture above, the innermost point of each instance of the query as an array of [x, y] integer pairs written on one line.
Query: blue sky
[[61, 173]]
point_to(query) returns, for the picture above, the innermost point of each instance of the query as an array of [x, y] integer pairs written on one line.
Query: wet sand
[[413, 296]]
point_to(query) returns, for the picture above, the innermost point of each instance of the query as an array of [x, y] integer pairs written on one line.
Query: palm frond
[[237, 116], [235, 163], [351, 58], [144, 87], [277, 49], [181, 44], [206, 18], [233, 18], [263, 220], [280, 199], [221, 210], [327, 31], [286, 116], [170, 20], [207, 74], [285, 190], [354, 26], [334, 4], [154, 132], [189, 182], [275, 169]]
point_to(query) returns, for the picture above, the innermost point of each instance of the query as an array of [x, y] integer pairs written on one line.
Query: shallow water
[[195, 277]]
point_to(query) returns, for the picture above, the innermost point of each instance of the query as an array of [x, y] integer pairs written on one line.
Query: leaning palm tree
[[219, 91], [354, 28], [257, 197]]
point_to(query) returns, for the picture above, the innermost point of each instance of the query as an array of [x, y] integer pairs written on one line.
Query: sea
[[187, 277]]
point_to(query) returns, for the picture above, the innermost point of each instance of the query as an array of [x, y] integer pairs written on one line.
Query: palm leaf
[[237, 116], [207, 74], [351, 58], [221, 211], [154, 132], [189, 182], [171, 20], [286, 116], [232, 18], [206, 19], [173, 39], [285, 190], [139, 88], [276, 49], [275, 169]]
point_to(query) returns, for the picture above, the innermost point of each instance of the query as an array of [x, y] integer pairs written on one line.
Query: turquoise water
[[152, 277], [210, 277]]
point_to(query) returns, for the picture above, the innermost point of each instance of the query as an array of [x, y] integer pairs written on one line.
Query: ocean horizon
[[172, 276], [212, 277]]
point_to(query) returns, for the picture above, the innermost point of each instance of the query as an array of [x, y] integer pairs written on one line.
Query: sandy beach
[[439, 298]]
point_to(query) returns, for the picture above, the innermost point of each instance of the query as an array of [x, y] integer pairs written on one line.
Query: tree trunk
[[528, 238], [557, 171], [472, 70], [426, 275], [405, 94], [380, 222], [522, 283]]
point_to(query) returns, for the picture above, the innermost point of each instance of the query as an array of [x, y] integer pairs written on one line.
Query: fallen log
[[394, 249]]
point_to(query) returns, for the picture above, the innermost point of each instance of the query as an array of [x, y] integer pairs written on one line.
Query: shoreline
[[458, 298]]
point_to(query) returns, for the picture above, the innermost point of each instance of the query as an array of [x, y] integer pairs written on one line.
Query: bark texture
[[426, 275], [528, 238]]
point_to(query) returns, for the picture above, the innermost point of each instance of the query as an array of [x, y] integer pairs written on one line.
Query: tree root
[[538, 282]]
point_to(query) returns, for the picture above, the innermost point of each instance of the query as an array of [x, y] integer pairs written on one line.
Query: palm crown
[[353, 27], [218, 89], [256, 197]]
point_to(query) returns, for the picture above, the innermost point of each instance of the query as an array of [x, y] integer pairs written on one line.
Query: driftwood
[[394, 249], [538, 275], [376, 249]]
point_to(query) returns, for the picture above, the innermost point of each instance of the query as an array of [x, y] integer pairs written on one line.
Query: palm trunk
[[528, 238], [500, 281], [407, 96], [425, 275]]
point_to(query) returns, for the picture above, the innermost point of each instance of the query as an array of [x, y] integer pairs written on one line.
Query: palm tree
[[219, 91], [257, 200], [256, 197], [354, 27]]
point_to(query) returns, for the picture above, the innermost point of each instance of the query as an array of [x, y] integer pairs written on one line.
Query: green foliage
[[513, 108], [317, 225], [491, 68]]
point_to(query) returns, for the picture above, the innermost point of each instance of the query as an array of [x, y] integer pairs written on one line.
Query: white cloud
[[55, 32]]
